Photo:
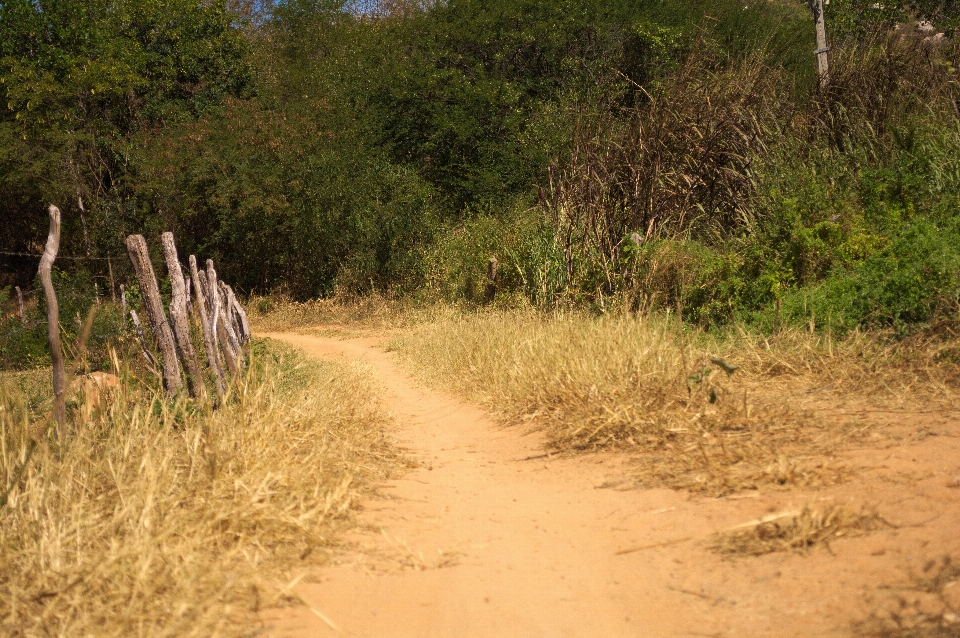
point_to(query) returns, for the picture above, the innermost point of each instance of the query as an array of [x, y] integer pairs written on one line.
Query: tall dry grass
[[671, 395], [154, 518], [278, 312]]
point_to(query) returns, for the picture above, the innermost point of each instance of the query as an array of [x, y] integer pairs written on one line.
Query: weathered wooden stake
[[244, 323], [213, 298], [209, 341], [178, 317], [140, 257], [53, 317], [492, 265], [143, 339], [23, 314], [823, 62], [229, 323], [217, 321], [123, 302], [113, 285]]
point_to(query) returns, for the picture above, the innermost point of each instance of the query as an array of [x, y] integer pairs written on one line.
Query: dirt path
[[483, 540]]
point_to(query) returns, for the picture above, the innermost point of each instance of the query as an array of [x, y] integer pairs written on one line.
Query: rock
[[97, 386]]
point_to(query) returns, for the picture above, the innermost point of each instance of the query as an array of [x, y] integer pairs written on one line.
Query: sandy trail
[[482, 540]]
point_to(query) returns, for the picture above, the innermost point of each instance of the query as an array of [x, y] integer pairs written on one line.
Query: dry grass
[[164, 519], [278, 313], [795, 531], [930, 609], [641, 383]]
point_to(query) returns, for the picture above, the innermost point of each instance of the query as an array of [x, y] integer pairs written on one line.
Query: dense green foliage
[[670, 153]]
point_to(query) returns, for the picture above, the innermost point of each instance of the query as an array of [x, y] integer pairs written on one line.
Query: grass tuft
[[795, 531]]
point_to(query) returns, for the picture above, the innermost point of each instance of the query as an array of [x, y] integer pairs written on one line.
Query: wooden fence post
[[491, 292], [23, 314], [241, 315], [123, 303], [178, 317], [53, 317], [113, 285], [823, 62], [217, 319], [140, 257], [209, 341], [143, 339], [229, 323]]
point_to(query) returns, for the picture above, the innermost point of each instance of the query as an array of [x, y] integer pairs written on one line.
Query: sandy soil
[[488, 537]]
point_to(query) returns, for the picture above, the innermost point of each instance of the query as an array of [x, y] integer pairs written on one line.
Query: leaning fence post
[[143, 339], [53, 316], [137, 249], [218, 326], [208, 339], [228, 324], [23, 315], [178, 316], [241, 315]]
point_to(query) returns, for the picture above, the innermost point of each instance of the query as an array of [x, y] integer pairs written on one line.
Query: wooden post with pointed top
[[178, 317], [243, 324], [229, 323], [217, 320], [140, 257], [202, 309], [53, 317]]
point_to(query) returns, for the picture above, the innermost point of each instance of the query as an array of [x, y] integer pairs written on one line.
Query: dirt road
[[488, 537]]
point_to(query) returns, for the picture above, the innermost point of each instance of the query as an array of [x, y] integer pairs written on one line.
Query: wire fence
[[59, 257]]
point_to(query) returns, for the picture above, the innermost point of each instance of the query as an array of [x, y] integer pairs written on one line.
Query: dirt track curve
[[483, 540]]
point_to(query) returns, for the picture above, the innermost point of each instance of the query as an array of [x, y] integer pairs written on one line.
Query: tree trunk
[[53, 318], [137, 249], [178, 317], [209, 341]]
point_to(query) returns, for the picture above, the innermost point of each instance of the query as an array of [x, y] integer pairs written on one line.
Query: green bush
[[24, 345], [913, 280]]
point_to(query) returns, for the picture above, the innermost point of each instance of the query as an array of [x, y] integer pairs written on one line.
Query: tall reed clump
[[157, 518], [698, 411]]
